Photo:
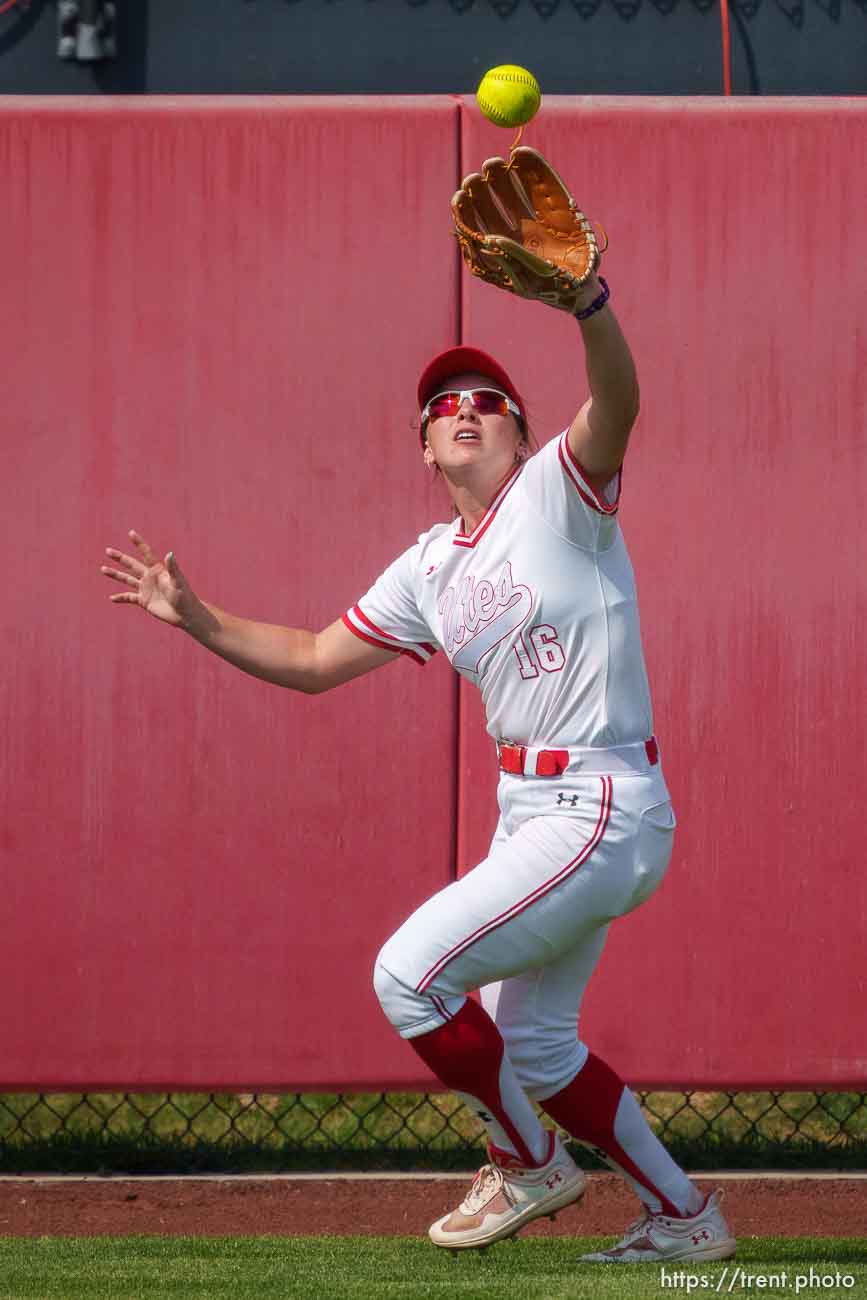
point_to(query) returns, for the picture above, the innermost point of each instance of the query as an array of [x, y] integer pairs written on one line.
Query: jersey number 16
[[539, 648]]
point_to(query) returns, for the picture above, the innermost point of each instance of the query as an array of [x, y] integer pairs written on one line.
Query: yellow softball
[[509, 95]]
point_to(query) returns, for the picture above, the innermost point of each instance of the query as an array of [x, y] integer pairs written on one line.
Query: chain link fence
[[222, 1132]]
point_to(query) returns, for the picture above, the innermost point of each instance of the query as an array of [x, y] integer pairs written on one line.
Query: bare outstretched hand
[[156, 586]]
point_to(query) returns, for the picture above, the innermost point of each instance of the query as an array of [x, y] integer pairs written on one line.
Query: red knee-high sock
[[468, 1054], [598, 1109]]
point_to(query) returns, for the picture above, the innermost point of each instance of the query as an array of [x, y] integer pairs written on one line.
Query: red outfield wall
[[202, 342]]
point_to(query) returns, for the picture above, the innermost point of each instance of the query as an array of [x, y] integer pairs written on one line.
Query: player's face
[[472, 439]]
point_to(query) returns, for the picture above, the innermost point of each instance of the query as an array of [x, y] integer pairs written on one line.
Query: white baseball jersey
[[537, 606]]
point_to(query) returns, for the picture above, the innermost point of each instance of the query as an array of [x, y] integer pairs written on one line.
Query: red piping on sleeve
[[576, 475], [381, 645]]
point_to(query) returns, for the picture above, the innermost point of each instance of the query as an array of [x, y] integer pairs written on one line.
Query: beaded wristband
[[597, 304]]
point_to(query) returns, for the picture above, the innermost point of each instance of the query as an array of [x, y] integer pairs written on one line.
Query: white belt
[[525, 760]]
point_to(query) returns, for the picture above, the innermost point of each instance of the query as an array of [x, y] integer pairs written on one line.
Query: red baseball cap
[[459, 361]]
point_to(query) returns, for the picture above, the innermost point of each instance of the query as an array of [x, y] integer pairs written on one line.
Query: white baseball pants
[[528, 924]]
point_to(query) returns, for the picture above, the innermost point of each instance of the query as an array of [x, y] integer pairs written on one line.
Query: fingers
[[119, 576], [143, 548], [464, 212], [135, 566], [507, 192], [493, 215], [125, 596], [477, 206]]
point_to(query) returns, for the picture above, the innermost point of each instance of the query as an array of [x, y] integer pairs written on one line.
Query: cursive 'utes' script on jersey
[[478, 614]]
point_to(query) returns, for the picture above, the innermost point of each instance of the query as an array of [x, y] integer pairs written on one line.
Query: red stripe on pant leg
[[522, 904], [587, 1108], [441, 1007], [466, 1055]]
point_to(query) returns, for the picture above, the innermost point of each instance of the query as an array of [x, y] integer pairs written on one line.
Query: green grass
[[388, 1268]]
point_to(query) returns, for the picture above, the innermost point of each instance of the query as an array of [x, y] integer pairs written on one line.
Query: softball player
[[530, 593]]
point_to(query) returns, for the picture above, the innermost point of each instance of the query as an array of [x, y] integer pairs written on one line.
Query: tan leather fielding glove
[[519, 228]]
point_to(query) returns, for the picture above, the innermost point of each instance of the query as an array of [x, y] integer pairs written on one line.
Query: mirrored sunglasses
[[487, 401]]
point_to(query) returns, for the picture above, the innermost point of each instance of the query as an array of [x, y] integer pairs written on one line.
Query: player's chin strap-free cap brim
[[462, 361]]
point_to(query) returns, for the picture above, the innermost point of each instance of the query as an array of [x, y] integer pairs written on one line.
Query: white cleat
[[505, 1195], [655, 1237]]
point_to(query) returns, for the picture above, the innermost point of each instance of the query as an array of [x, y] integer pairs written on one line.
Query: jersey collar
[[463, 538]]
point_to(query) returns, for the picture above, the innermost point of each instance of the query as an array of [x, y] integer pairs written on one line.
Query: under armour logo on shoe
[[704, 1235], [553, 1180], [571, 799]]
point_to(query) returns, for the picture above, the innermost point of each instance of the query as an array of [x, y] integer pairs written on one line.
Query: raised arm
[[519, 228], [295, 658], [600, 431]]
